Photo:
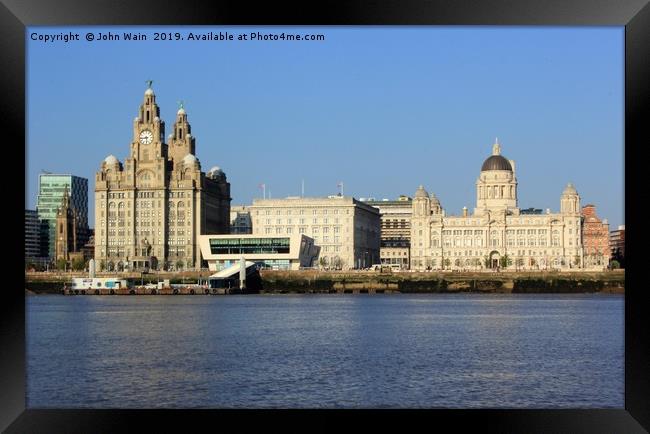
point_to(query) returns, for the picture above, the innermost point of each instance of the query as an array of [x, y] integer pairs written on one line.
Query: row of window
[[477, 253], [324, 211], [300, 221], [509, 220], [479, 262]]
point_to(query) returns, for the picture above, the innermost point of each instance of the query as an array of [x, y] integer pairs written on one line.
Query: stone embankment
[[312, 281], [446, 282]]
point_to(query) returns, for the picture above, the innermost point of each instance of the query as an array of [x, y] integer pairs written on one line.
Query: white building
[[347, 230], [276, 252], [497, 227]]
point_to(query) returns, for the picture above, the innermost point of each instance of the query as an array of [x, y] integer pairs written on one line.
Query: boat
[[90, 285]]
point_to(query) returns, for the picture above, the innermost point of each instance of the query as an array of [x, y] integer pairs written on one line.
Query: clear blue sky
[[382, 109]]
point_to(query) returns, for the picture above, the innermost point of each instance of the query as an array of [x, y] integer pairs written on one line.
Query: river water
[[332, 351]]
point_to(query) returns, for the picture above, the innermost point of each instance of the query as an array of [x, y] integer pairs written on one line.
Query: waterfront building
[[51, 190], [347, 230], [65, 240], [497, 228], [395, 229], [617, 245], [150, 210], [278, 252], [595, 238], [88, 250], [240, 220], [36, 238]]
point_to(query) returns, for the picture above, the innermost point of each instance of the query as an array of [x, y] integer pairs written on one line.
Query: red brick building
[[595, 238]]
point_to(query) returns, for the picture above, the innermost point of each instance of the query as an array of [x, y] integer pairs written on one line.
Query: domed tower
[[496, 186], [436, 208], [570, 200], [181, 141], [421, 203], [216, 174]]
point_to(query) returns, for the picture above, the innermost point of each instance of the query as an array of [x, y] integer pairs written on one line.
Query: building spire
[[149, 83], [496, 148]]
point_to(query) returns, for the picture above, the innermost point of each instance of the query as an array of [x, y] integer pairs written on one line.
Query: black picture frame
[[15, 15]]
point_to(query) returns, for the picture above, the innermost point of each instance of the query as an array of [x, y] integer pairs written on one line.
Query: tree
[[61, 264], [614, 264], [486, 262], [102, 265], [519, 262], [576, 261], [505, 261], [476, 262], [179, 264], [322, 261], [78, 264], [446, 263]]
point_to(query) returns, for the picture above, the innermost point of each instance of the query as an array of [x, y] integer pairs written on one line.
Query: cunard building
[[150, 209], [497, 233]]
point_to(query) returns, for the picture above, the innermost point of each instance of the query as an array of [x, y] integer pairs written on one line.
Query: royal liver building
[[150, 210], [528, 239]]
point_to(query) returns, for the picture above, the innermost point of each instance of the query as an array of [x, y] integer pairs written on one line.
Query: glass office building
[[50, 194]]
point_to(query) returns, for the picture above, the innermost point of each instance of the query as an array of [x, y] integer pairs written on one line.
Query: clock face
[[146, 137]]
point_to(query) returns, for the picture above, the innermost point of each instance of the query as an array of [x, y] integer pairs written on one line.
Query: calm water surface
[[459, 351]]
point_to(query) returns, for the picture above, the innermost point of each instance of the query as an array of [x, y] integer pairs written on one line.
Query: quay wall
[[313, 281], [447, 282]]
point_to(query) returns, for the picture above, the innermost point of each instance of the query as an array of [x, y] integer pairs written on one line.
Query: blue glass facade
[[50, 194]]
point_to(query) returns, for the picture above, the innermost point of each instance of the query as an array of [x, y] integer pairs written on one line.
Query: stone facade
[[347, 230], [395, 230], [150, 210], [496, 228], [595, 237], [66, 240], [240, 220]]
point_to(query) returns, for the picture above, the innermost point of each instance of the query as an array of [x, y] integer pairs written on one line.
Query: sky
[[381, 109]]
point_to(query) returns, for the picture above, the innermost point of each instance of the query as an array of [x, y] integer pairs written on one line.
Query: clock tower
[[150, 210], [148, 130]]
